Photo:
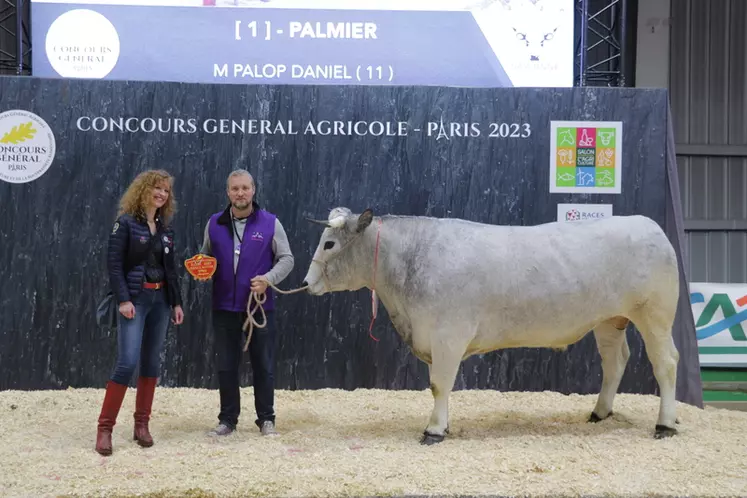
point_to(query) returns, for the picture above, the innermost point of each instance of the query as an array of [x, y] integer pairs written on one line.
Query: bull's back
[[610, 257], [557, 276], [494, 259]]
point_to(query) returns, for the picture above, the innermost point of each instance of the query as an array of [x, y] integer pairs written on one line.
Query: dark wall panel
[[53, 230]]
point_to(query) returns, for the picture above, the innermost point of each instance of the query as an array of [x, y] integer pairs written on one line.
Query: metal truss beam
[[15, 37], [602, 43]]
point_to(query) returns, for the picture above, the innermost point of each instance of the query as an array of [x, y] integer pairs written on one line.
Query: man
[[251, 249]]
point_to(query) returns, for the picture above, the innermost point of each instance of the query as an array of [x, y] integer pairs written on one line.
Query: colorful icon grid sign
[[585, 157]]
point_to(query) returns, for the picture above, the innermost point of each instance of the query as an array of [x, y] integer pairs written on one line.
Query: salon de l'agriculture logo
[[586, 157]]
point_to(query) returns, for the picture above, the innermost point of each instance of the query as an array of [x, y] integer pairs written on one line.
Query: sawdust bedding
[[365, 442]]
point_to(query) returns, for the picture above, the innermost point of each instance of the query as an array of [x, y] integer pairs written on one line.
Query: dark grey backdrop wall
[[53, 230]]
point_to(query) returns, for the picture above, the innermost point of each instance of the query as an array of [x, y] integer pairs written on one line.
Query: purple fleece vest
[[231, 293]]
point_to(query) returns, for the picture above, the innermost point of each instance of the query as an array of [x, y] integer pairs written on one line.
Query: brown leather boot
[[146, 387], [115, 393]]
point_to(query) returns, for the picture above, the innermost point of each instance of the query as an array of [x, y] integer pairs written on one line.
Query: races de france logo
[[27, 146], [82, 43], [572, 215]]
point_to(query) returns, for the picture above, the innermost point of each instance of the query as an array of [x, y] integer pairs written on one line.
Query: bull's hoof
[[594, 418], [429, 439], [662, 431]]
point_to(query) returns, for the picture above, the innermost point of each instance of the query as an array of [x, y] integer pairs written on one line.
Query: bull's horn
[[318, 222]]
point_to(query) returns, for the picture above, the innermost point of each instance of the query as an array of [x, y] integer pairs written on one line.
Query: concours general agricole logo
[[27, 146]]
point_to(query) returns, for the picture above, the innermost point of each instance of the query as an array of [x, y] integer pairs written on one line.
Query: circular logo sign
[[573, 215], [82, 43], [27, 146]]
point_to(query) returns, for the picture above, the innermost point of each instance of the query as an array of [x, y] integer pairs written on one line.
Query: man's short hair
[[239, 172]]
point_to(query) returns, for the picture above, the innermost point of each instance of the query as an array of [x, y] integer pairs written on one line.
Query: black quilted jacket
[[128, 248]]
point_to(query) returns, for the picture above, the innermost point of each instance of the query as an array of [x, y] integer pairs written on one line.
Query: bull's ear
[[364, 220]]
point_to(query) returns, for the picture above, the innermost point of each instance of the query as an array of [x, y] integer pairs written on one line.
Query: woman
[[142, 275]]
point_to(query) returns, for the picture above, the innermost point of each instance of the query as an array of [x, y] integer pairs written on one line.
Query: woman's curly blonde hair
[[138, 195]]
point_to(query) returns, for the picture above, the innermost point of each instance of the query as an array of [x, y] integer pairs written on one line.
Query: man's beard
[[241, 205]]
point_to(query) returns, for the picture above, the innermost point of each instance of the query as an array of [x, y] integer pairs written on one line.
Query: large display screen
[[493, 43]]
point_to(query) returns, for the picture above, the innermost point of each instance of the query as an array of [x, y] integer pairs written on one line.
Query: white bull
[[456, 288]]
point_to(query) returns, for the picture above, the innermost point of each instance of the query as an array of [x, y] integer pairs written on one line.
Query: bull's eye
[[328, 245]]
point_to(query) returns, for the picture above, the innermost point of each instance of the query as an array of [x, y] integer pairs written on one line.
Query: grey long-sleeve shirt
[[283, 260]]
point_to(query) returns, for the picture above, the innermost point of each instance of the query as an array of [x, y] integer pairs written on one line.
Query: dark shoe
[[146, 387], [230, 398], [115, 393], [267, 428], [223, 429]]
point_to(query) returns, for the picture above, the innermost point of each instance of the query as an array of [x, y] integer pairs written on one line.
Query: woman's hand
[[178, 317], [127, 310]]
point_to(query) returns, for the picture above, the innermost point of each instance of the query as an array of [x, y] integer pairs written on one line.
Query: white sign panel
[[465, 43], [581, 212], [720, 313]]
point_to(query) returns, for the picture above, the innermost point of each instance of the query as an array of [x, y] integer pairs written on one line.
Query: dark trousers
[[229, 344], [142, 337]]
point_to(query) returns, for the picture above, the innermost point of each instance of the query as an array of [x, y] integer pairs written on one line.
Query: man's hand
[[178, 317], [259, 284]]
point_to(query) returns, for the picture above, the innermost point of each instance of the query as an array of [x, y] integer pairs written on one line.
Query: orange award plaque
[[201, 267]]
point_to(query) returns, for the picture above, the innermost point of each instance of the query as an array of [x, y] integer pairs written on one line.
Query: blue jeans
[[142, 336]]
